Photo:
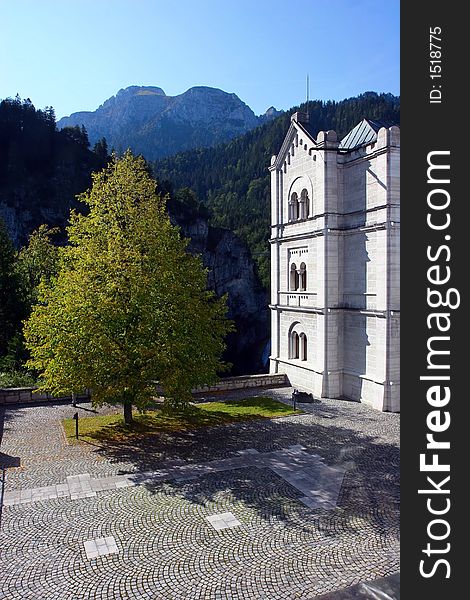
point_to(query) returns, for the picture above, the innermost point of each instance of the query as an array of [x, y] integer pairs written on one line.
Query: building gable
[[295, 130]]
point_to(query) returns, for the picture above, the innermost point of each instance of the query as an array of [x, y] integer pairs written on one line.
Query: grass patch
[[111, 428]]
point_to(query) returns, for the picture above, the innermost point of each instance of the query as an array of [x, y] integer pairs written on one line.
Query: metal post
[[75, 416], [294, 399]]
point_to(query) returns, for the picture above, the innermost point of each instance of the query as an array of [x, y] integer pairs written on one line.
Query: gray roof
[[364, 133]]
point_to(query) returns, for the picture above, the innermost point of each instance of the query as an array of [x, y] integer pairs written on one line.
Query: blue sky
[[74, 54]]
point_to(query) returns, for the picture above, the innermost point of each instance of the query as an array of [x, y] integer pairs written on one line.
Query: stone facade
[[335, 296]]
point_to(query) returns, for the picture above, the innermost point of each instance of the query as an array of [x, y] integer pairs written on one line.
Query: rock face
[[231, 272], [151, 123], [271, 113]]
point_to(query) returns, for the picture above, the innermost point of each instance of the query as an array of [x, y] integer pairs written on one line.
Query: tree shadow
[[146, 425], [369, 493], [6, 461], [8, 413]]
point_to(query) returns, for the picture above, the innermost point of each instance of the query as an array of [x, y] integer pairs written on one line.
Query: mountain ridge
[[146, 120]]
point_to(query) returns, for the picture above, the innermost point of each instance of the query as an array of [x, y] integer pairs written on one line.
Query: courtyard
[[286, 508]]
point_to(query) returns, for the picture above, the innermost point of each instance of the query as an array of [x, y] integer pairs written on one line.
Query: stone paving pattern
[[100, 547], [223, 521], [320, 484], [166, 547]]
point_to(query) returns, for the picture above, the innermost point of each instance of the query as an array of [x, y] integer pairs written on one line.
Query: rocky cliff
[[232, 272], [151, 123]]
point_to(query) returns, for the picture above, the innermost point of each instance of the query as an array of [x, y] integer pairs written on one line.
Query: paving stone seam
[[319, 483]]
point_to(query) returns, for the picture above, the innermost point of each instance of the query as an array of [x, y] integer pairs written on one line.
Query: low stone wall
[[244, 381], [30, 395]]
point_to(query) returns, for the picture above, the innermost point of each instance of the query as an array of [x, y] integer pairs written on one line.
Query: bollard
[[294, 399], [75, 416]]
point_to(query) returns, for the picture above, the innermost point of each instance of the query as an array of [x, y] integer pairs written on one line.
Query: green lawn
[[103, 428]]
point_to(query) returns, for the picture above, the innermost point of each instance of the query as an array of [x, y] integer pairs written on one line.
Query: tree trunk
[[128, 412]]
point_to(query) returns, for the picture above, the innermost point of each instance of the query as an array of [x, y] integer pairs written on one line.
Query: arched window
[[294, 278], [294, 207], [303, 346], [302, 277], [297, 344], [294, 345], [304, 204]]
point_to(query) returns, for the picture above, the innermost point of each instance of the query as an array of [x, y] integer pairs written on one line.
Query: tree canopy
[[129, 304], [37, 260]]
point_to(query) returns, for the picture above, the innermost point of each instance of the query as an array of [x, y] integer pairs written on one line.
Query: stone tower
[[335, 296]]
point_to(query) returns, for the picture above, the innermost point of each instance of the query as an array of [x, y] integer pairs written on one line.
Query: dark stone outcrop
[[232, 272]]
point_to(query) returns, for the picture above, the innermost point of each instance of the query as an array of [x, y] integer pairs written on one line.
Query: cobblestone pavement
[[307, 473], [179, 530]]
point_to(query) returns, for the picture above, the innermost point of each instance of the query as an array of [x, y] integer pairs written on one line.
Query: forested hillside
[[41, 169], [233, 181]]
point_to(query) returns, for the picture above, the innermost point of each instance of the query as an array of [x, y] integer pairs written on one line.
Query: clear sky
[[74, 54]]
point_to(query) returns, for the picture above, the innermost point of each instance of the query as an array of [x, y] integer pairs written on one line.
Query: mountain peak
[[270, 114], [141, 90], [151, 123]]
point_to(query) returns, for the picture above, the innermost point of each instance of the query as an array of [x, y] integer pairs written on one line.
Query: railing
[[300, 298]]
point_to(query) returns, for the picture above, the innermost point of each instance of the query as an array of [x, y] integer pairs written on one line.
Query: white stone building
[[335, 296]]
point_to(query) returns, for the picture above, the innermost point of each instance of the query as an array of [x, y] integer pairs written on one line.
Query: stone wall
[[244, 382], [30, 395]]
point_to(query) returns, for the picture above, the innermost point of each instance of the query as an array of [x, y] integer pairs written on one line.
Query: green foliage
[[12, 308], [233, 181], [185, 204], [42, 169], [13, 379], [128, 304], [37, 260], [78, 135], [101, 150], [15, 356], [22, 273]]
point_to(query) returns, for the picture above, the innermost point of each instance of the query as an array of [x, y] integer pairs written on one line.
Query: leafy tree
[[11, 305], [37, 260], [129, 305]]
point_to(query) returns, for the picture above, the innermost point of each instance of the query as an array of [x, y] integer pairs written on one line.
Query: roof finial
[[308, 90]]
